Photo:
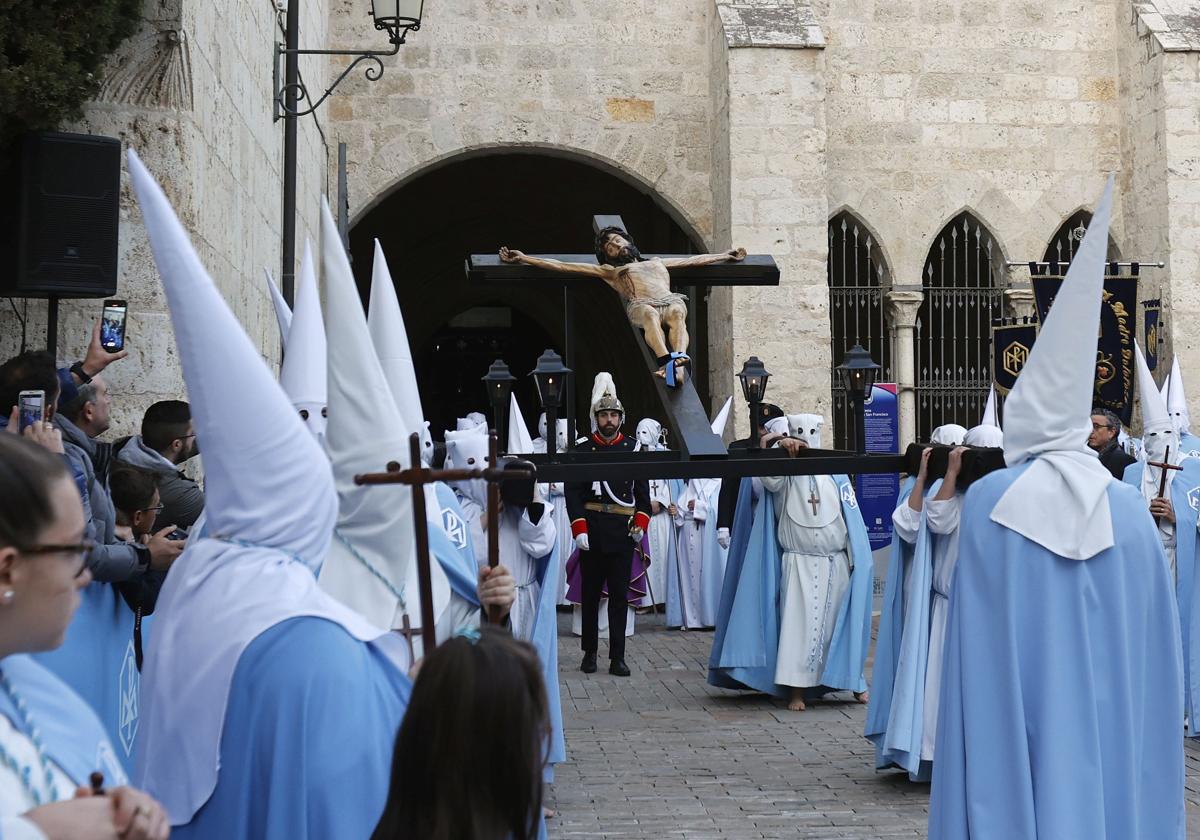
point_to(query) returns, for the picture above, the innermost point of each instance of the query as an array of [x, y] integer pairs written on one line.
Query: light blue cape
[[1061, 710]]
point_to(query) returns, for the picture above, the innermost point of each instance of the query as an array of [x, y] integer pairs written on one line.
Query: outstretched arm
[[736, 255], [511, 255]]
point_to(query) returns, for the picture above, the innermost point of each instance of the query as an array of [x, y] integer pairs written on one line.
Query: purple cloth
[[638, 564]]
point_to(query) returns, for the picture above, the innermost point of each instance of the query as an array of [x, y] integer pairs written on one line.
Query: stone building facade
[[751, 123]]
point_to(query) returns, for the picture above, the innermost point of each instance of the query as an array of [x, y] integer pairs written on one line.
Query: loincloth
[[661, 305]]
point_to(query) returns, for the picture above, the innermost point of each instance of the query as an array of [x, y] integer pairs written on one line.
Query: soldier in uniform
[[608, 519]]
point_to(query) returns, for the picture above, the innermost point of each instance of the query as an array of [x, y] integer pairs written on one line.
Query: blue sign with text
[[877, 493]]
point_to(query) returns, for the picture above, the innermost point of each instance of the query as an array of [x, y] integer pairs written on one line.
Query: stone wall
[[191, 92]]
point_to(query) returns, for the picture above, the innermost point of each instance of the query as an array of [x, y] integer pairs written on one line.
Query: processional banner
[[1151, 327], [1011, 343], [1114, 346]]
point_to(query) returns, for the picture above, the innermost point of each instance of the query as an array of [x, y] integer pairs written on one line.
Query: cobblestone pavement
[[662, 754]]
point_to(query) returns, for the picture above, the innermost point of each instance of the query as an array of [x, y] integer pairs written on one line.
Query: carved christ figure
[[644, 286]]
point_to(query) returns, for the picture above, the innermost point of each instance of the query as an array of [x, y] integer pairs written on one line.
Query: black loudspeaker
[[59, 217]]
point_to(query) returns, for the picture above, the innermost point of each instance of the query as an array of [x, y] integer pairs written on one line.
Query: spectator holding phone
[[168, 439]]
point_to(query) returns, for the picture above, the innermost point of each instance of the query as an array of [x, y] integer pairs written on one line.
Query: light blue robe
[[451, 545], [1061, 708], [1189, 444], [1185, 498], [544, 639], [895, 714], [749, 640], [71, 733], [97, 661], [743, 654], [294, 760]]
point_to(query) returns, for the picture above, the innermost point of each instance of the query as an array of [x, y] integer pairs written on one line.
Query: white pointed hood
[[475, 421], [722, 419], [561, 443], [1048, 416], [302, 373], [271, 506], [372, 562], [990, 416], [950, 434], [467, 449], [519, 441], [806, 427], [283, 312], [985, 434], [1177, 400], [1158, 429], [649, 435]]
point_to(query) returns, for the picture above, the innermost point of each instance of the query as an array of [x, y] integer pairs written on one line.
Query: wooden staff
[[493, 517], [417, 476], [1162, 482]]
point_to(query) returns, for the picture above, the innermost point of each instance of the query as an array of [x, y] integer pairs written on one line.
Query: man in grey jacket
[[166, 442]]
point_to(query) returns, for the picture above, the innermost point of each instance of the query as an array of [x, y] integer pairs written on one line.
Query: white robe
[[522, 543], [943, 518], [1151, 478], [14, 798], [692, 511], [815, 574], [553, 492], [662, 532]]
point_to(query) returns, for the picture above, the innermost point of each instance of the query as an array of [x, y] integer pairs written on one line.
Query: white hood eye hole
[[325, 411], [470, 461], [304, 414]]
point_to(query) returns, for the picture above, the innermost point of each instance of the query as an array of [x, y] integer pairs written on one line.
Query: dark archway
[[538, 203]]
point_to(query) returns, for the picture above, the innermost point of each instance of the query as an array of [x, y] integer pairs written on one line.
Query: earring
[[7, 596]]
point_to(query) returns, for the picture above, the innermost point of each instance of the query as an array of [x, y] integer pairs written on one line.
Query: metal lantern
[[499, 385], [397, 17], [858, 371], [754, 378], [551, 377]]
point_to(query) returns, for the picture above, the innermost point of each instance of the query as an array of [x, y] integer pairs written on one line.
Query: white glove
[[723, 537], [581, 542]]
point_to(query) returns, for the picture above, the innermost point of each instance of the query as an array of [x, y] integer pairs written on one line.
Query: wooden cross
[[1162, 482], [681, 409], [814, 500], [406, 630], [417, 476]]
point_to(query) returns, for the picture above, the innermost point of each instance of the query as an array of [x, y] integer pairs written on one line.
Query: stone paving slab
[[664, 755]]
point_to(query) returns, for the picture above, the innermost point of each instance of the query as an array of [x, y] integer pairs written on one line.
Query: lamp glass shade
[[499, 382], [551, 378], [858, 372], [397, 16], [754, 378]]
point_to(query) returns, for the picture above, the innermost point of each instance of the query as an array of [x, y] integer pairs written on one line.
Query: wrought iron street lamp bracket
[[373, 72]]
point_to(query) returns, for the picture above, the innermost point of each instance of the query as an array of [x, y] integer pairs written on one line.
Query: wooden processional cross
[[1166, 467], [416, 477], [685, 416]]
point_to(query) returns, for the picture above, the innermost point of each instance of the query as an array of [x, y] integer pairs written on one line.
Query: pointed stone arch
[[1061, 247], [858, 276], [963, 282]]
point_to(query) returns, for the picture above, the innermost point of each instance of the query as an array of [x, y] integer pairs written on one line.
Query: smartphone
[[112, 326], [178, 534], [32, 408]]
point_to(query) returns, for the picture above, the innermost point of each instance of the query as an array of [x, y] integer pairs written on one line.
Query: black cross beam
[[683, 413]]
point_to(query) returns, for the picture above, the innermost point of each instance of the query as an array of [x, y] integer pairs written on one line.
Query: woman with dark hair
[[52, 745], [469, 755]]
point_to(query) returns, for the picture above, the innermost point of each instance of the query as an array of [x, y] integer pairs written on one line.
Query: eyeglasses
[[155, 509], [81, 550]]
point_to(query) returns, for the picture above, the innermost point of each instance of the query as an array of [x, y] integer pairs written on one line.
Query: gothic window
[[858, 278], [1062, 247], [962, 285]]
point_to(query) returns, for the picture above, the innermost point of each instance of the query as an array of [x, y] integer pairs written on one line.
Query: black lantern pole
[[552, 378], [292, 99], [499, 384], [754, 378], [858, 371]]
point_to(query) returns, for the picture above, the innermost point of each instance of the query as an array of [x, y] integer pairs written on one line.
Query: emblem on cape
[[456, 529], [130, 685], [1015, 357], [848, 495], [1194, 498]]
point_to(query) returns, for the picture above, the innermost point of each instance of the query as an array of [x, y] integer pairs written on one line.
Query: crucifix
[[649, 289], [814, 500], [1166, 466], [417, 477]]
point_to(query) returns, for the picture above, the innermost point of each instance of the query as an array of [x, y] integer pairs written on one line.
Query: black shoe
[[618, 668], [588, 665]]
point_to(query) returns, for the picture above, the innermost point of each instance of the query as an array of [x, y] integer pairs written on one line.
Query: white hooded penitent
[[390, 337], [302, 373], [1048, 416], [1158, 429], [990, 417], [1177, 400], [722, 419], [806, 427], [271, 507], [372, 562], [519, 441], [283, 312]]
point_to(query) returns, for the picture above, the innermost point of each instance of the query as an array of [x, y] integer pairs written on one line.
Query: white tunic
[[522, 543], [15, 799], [554, 492], [662, 532], [692, 511], [815, 574], [1151, 478], [943, 518]]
